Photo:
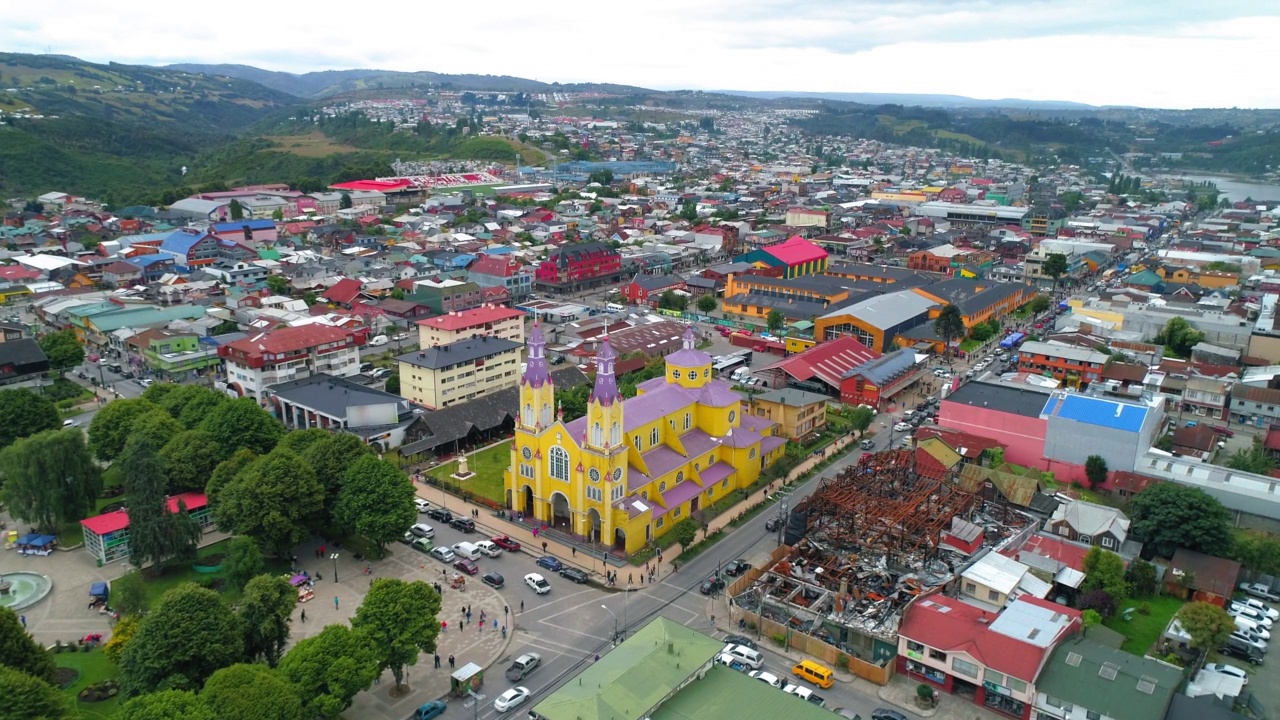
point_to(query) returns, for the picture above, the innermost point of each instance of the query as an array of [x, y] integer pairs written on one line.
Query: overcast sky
[[1154, 53]]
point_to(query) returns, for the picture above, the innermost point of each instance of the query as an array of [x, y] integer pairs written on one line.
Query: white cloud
[[1175, 53]]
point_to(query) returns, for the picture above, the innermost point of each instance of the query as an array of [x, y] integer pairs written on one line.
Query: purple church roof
[[606, 389], [536, 372], [688, 355], [677, 496], [644, 409]]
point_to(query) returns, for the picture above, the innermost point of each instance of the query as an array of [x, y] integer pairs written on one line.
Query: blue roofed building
[[876, 382], [1078, 426]]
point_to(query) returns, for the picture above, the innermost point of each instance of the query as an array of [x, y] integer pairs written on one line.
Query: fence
[[807, 644]]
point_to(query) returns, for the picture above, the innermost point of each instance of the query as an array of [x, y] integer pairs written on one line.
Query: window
[[597, 435], [688, 420], [1108, 542], [636, 441], [1091, 715], [732, 416], [964, 667], [752, 454], [594, 493], [993, 677], [680, 476], [526, 470], [724, 483], [675, 374], [970, 589], [653, 437], [693, 374], [558, 464], [659, 522], [697, 467], [1052, 701], [662, 487], [937, 655], [1015, 684], [993, 596], [914, 646], [675, 513]]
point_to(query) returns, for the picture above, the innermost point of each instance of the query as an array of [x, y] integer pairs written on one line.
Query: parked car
[[493, 579], [1254, 615], [379, 340], [422, 530], [487, 547], [443, 554], [429, 711], [767, 677], [1242, 651], [866, 444], [550, 562], [886, 714], [734, 568], [422, 544], [741, 640], [710, 585], [1223, 431], [1262, 591], [441, 514], [1231, 670], [772, 524], [1262, 607], [574, 574], [522, 666], [465, 524], [70, 422], [902, 426], [506, 543], [538, 583], [422, 505], [467, 566], [511, 698]]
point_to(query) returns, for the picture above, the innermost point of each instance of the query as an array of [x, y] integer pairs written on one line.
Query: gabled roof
[[796, 250], [1091, 519], [1211, 574], [1109, 681], [343, 291], [886, 368], [829, 361], [289, 339], [468, 350]]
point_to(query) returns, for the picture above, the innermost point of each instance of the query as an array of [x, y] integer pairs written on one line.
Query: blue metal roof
[[180, 242], [239, 225], [886, 368], [1097, 411], [148, 260]]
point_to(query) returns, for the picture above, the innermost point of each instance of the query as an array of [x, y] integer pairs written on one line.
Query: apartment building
[[438, 377], [1075, 366], [494, 321], [798, 413], [259, 361]]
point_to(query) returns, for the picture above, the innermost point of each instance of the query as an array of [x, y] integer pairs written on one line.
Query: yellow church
[[630, 469]]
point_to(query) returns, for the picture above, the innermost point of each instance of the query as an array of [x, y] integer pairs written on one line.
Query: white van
[[379, 340], [466, 550], [744, 655], [614, 307], [1252, 628]]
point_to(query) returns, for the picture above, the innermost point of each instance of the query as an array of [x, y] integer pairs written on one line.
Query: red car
[[1039, 326], [1224, 432], [467, 566], [506, 543]]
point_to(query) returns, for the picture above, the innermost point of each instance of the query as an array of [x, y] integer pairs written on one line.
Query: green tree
[[26, 697], [190, 634], [299, 441], [190, 459], [1141, 576], [278, 284], [242, 423], [397, 294], [49, 478], [226, 326], [277, 214], [774, 321], [121, 633], [329, 669], [376, 501], [265, 609], [1054, 266], [688, 211], [1208, 625], [1095, 470], [236, 210], [1258, 552], [63, 349], [129, 593], [860, 418], [1252, 459], [330, 458], [112, 426], [271, 501], [244, 561], [1039, 304], [251, 692], [949, 325], [21, 652], [392, 385], [707, 303], [24, 413], [155, 533], [156, 427], [1104, 570], [1179, 337], [671, 300], [166, 705], [1169, 515], [399, 619], [344, 201]]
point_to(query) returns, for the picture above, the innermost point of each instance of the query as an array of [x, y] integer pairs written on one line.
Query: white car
[[421, 504], [1257, 616], [70, 422], [799, 691], [1263, 608], [488, 548], [538, 583], [511, 698], [767, 677], [1231, 670], [902, 427]]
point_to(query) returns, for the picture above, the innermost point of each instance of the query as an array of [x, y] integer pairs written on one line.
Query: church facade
[[630, 469]]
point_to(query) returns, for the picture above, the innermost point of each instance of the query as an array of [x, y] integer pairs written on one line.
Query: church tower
[[604, 408], [537, 392]]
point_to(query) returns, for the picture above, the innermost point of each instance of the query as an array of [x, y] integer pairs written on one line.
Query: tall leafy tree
[[707, 303], [235, 210], [244, 561], [188, 636], [155, 426], [190, 404], [399, 618], [113, 424], [1179, 337], [1055, 266], [190, 459], [155, 533], [1169, 515], [241, 423], [330, 458], [1252, 459], [860, 418], [1095, 470], [252, 692], [775, 320], [1208, 625], [1104, 570], [271, 501], [226, 471], [265, 609], [24, 413], [376, 501], [329, 669], [166, 705], [949, 325], [24, 696], [21, 652], [63, 349], [50, 478], [300, 441]]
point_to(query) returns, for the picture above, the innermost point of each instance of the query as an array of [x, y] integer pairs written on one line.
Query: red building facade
[[579, 265]]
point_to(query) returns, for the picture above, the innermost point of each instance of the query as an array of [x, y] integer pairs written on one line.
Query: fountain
[[20, 590]]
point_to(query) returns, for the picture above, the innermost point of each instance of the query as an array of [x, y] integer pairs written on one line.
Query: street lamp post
[[334, 558], [615, 623]]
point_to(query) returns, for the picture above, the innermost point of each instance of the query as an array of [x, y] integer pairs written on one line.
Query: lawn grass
[[1143, 630], [488, 466], [177, 574], [94, 667]]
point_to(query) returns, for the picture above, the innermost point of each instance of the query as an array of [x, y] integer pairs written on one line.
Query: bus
[[1013, 341], [728, 363]]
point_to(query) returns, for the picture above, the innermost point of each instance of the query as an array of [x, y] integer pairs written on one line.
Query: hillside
[[326, 83], [915, 100]]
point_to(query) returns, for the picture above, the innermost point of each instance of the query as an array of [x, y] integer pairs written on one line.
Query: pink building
[[1008, 415]]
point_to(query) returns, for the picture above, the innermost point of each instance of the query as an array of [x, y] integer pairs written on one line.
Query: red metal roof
[[107, 523], [1066, 553], [379, 185], [829, 361], [953, 626], [471, 318], [288, 339], [796, 250], [343, 291], [496, 265]]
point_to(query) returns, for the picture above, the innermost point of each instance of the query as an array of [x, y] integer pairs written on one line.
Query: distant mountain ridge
[[912, 99], [326, 83]]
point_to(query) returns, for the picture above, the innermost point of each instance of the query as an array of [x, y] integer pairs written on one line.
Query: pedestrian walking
[[544, 546], [480, 626], [464, 612], [495, 624], [521, 606], [444, 626], [629, 578], [506, 611], [535, 532], [504, 632], [304, 616], [23, 619], [437, 660], [335, 602], [468, 616], [450, 662]]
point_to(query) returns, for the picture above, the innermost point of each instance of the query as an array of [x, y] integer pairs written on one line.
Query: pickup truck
[[1262, 591], [522, 666]]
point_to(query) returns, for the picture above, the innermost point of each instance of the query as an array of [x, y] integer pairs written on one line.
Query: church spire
[[536, 373], [690, 338], [606, 389]]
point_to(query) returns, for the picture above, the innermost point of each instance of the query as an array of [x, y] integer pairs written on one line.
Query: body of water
[[1238, 190]]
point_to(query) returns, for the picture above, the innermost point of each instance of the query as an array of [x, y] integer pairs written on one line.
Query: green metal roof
[[631, 679], [145, 316], [1109, 681], [726, 694]]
